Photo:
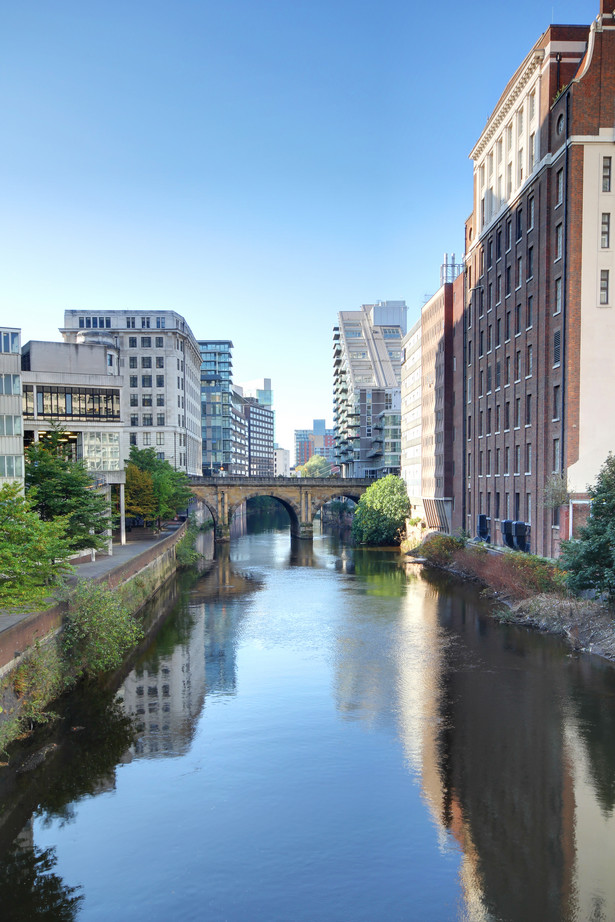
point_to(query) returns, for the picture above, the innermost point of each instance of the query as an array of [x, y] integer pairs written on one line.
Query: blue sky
[[255, 166]]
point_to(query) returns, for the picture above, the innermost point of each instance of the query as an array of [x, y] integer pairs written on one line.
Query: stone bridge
[[302, 497]]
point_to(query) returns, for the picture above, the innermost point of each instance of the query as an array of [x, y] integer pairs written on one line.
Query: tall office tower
[[367, 389], [11, 423], [216, 382], [538, 323], [160, 362], [261, 462]]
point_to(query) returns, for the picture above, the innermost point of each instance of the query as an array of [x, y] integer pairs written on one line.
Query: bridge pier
[[223, 533], [303, 530]]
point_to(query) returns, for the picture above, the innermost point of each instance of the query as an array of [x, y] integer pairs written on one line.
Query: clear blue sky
[[255, 166]]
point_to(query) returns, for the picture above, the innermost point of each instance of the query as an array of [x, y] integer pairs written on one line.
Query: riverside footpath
[[146, 560]]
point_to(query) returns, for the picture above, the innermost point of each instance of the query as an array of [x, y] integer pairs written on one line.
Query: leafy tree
[[380, 516], [171, 488], [316, 466], [32, 552], [57, 487], [589, 561], [140, 497]]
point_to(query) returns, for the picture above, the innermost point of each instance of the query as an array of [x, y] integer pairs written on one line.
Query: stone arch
[[319, 501], [291, 508], [210, 508]]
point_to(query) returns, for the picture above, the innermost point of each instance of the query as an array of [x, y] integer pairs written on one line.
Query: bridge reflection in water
[[301, 497]]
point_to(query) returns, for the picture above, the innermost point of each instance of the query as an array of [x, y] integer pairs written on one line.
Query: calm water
[[315, 735]]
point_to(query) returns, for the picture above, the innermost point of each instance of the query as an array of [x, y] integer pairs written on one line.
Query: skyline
[[256, 168]]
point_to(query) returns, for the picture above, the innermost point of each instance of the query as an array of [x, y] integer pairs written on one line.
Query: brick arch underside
[[210, 508], [292, 510], [319, 502]]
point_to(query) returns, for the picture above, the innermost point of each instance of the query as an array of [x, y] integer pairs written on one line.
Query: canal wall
[[34, 636]]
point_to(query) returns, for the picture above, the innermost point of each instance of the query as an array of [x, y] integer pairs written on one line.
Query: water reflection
[[482, 755]]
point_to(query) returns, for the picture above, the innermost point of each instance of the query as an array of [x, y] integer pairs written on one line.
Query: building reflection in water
[[195, 657], [493, 723]]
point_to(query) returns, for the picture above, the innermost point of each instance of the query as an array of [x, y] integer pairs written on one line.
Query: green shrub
[[98, 631], [440, 549]]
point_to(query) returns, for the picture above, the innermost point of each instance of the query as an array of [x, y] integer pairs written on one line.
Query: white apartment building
[[11, 428], [160, 361]]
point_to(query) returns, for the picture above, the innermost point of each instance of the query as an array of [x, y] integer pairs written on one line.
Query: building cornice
[[507, 102]]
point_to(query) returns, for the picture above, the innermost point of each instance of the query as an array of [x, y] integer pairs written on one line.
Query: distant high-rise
[[367, 388], [315, 441]]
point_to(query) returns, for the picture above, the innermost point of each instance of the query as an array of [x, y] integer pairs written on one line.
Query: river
[[324, 734]]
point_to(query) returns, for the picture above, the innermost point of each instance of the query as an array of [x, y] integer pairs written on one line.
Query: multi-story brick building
[[538, 325]]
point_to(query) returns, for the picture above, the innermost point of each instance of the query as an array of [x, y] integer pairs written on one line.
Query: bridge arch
[[292, 509]]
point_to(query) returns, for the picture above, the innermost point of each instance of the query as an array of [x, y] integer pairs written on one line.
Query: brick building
[[535, 371]]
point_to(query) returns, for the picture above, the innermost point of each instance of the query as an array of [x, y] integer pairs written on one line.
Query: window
[[530, 262], [130, 324], [490, 296], [469, 352], [556, 456], [519, 278], [469, 394], [559, 237], [160, 422], [508, 277], [489, 421], [488, 379], [558, 296], [606, 174], [519, 223], [498, 332], [497, 417], [488, 466], [507, 415], [507, 460], [507, 369], [134, 381], [160, 361], [159, 380], [559, 184], [604, 286], [481, 379], [605, 231], [530, 311], [528, 409], [134, 400], [517, 412], [517, 459], [160, 323], [469, 427], [518, 365], [528, 458], [134, 420], [480, 424], [480, 464], [531, 156], [556, 401], [520, 165], [146, 361], [530, 214], [132, 361], [497, 462], [517, 319], [497, 505], [146, 342], [508, 235], [147, 438], [528, 361], [159, 400], [147, 419], [481, 343], [489, 338], [146, 400], [145, 323], [498, 245], [132, 342], [469, 464], [557, 347], [146, 380], [160, 438], [133, 438], [498, 289]]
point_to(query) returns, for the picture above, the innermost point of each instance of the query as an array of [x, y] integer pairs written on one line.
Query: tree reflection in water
[[30, 890]]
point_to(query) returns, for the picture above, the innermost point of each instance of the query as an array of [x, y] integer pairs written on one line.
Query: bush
[[441, 549], [98, 631], [513, 573]]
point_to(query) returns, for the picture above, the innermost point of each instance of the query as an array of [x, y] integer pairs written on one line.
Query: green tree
[[58, 487], [380, 516], [589, 560], [140, 498], [32, 552], [171, 488], [316, 466]]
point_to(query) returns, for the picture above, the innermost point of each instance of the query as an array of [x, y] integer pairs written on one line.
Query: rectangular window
[[558, 296], [481, 343], [517, 458], [498, 245], [160, 321], [605, 230], [134, 381], [147, 419], [556, 457], [133, 438], [488, 420], [160, 422], [507, 326], [508, 235], [489, 338], [507, 415], [528, 409], [159, 380], [497, 462], [497, 417], [134, 400], [132, 361], [146, 400], [134, 420], [480, 464], [557, 347], [469, 394], [159, 400], [530, 214], [530, 311], [508, 369], [518, 365], [604, 286], [559, 239], [556, 401], [560, 186], [488, 463], [146, 342], [528, 458], [160, 437], [519, 223], [497, 505], [507, 460], [132, 342], [530, 262], [606, 174], [145, 323], [160, 361], [488, 379], [147, 439], [481, 383], [528, 517], [508, 283], [517, 319], [529, 355], [517, 412], [146, 361], [498, 332], [146, 380], [498, 289], [480, 424], [519, 278]]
